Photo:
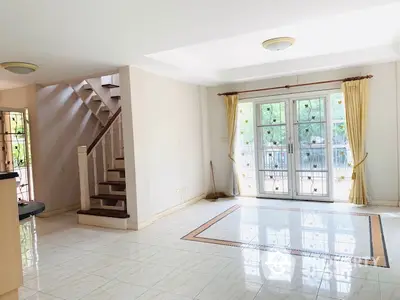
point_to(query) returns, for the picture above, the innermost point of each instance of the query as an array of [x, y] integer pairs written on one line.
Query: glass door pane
[[310, 147], [272, 151]]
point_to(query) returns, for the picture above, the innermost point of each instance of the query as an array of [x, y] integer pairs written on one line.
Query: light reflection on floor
[[63, 260]]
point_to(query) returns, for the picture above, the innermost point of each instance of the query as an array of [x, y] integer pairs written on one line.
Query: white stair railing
[[89, 156]]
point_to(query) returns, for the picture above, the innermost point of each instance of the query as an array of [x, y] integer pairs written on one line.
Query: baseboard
[[105, 222], [391, 203], [171, 210], [47, 214]]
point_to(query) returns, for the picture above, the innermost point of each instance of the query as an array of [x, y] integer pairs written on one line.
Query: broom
[[214, 195]]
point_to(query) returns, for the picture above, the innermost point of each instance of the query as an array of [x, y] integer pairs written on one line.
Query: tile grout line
[[195, 297], [322, 278]]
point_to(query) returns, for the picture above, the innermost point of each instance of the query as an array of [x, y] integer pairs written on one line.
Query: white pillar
[[84, 177], [125, 78]]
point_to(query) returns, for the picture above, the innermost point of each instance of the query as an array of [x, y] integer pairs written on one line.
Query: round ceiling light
[[278, 44], [20, 68]]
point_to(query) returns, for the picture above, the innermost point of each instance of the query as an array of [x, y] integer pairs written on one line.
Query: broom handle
[[213, 179]]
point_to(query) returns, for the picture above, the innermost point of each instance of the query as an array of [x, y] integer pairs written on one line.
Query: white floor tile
[[116, 290], [42, 296], [249, 272], [208, 264], [225, 289], [76, 288], [352, 289], [270, 293], [391, 275], [184, 283], [145, 275], [344, 270], [160, 295], [52, 278], [170, 257], [112, 271], [25, 292], [390, 291]]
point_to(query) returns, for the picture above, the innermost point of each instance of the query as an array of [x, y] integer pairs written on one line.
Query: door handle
[[290, 148]]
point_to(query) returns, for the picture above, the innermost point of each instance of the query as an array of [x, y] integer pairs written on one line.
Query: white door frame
[[256, 140], [290, 100]]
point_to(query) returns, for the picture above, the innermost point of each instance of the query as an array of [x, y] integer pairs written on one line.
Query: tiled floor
[[301, 232], [63, 260]]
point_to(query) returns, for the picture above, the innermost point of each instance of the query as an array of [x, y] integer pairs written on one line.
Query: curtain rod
[[296, 85]]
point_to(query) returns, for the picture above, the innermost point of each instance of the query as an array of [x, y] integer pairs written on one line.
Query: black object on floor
[[31, 208]]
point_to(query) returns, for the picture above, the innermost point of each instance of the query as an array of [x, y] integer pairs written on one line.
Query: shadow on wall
[[63, 123]]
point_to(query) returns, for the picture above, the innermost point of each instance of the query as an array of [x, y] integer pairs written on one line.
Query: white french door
[[293, 154]]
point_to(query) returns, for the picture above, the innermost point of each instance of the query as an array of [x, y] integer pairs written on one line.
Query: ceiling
[[206, 42]]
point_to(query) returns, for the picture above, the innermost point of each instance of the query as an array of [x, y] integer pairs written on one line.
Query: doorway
[[15, 154], [294, 147], [292, 143]]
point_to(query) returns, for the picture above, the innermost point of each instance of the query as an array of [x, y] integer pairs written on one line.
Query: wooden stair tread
[[120, 183], [117, 170], [116, 97], [109, 197], [111, 213]]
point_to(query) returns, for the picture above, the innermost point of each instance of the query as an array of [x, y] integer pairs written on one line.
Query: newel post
[[84, 177]]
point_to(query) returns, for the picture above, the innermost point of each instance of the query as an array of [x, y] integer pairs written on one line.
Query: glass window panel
[[272, 113], [274, 182], [342, 157], [244, 150], [312, 183], [310, 110]]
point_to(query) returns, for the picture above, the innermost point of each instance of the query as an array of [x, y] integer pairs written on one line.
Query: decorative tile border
[[378, 256]]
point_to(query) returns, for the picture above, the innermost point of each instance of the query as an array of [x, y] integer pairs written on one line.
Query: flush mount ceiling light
[[21, 68], [278, 44]]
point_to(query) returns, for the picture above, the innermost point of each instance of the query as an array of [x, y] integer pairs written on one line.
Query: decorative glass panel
[[273, 152], [274, 182], [311, 148], [310, 110], [273, 149], [272, 113], [313, 183], [342, 157], [244, 151], [14, 154]]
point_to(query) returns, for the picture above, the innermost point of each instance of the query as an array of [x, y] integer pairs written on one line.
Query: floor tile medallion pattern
[[365, 226]]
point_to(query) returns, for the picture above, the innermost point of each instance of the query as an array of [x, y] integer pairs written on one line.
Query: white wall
[[166, 150], [382, 166]]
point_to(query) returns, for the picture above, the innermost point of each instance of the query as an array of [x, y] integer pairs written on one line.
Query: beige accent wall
[[59, 122]]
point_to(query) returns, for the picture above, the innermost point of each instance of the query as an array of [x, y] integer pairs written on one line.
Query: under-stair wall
[[60, 121], [63, 122], [73, 115]]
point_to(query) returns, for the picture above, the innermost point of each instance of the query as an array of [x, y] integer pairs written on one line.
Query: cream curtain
[[231, 103], [356, 95]]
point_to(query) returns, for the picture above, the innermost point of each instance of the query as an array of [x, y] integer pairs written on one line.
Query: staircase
[[101, 164], [110, 199], [100, 95]]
